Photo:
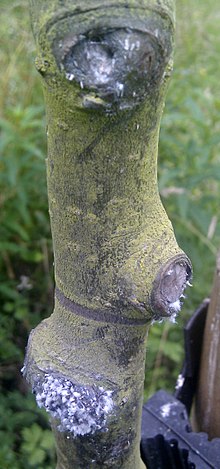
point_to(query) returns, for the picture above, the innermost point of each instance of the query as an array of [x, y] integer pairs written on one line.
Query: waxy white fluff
[[80, 409]]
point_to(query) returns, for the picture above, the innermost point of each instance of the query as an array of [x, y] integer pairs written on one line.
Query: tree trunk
[[105, 67]]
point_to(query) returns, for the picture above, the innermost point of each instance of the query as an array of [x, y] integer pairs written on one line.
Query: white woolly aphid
[[174, 308], [80, 409]]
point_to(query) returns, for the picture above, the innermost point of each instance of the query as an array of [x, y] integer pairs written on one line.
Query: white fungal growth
[[80, 409]]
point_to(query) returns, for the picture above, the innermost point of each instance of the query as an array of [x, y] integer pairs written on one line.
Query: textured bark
[[105, 67], [207, 400]]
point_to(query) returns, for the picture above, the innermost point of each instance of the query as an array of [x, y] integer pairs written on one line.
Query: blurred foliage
[[25, 241], [189, 173], [189, 178]]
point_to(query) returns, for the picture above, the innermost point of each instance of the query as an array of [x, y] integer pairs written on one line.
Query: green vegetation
[[189, 174]]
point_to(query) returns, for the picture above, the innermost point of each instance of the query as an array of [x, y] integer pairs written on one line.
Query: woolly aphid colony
[[80, 409]]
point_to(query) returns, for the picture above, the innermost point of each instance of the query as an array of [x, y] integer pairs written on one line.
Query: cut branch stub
[[114, 67], [116, 53], [169, 287]]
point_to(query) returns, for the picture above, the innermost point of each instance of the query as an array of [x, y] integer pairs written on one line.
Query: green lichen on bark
[[116, 257]]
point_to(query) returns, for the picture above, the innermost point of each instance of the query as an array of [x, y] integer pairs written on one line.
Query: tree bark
[[105, 68]]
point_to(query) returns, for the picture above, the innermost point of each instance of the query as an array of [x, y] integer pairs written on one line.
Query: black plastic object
[[168, 441], [193, 337]]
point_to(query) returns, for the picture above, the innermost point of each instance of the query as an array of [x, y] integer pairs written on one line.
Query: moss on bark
[[105, 68]]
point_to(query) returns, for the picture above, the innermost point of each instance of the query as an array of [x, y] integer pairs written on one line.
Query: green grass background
[[189, 178]]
